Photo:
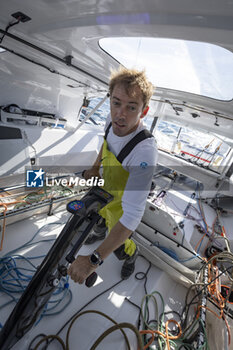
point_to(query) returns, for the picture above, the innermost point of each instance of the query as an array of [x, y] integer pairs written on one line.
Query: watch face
[[94, 259]]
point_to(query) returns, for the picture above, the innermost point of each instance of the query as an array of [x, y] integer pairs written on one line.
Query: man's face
[[126, 111]]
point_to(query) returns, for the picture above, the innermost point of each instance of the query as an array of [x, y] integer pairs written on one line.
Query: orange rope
[[207, 308], [166, 335], [152, 338], [199, 242], [214, 291]]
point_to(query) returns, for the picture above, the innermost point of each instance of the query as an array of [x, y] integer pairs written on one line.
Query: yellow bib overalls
[[115, 179]]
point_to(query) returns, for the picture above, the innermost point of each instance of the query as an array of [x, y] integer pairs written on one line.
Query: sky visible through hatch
[[195, 67]]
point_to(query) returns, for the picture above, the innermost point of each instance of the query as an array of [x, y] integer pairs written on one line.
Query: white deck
[[89, 327]]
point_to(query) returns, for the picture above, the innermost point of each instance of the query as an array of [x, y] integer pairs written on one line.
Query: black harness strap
[[142, 135], [107, 130]]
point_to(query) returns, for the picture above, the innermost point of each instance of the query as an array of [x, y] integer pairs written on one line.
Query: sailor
[[128, 156]]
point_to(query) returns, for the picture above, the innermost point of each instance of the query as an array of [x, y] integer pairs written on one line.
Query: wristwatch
[[95, 258]]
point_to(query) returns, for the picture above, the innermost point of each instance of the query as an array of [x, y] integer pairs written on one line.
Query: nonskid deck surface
[[175, 214], [89, 327], [118, 299]]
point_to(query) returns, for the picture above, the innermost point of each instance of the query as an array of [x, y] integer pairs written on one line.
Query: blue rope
[[173, 254], [15, 278]]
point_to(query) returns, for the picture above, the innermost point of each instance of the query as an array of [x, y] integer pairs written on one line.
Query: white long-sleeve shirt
[[140, 164]]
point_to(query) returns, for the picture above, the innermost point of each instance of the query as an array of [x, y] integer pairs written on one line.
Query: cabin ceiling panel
[[33, 87], [57, 63], [73, 28], [68, 27], [99, 18]]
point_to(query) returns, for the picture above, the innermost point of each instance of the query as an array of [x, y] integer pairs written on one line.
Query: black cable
[[132, 303], [144, 274], [186, 347], [42, 335], [77, 312], [173, 312], [138, 323], [8, 27], [83, 307]]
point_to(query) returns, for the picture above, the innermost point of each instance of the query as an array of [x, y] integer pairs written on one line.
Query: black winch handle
[[90, 281]]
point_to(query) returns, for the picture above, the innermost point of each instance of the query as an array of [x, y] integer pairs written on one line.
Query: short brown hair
[[130, 78]]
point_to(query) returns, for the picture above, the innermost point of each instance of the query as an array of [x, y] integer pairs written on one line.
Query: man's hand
[[80, 269], [89, 173], [94, 170]]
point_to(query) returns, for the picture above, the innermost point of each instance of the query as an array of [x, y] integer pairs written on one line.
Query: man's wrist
[[95, 258]]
